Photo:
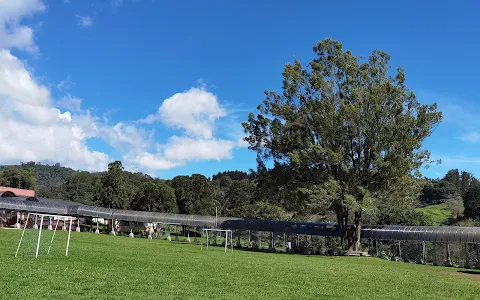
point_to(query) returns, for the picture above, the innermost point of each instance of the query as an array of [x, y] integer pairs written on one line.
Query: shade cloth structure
[[378, 232]]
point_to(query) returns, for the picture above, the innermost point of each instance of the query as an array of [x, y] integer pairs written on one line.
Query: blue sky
[[112, 65]]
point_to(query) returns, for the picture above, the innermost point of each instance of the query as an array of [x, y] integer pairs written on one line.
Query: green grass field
[[438, 214], [109, 267]]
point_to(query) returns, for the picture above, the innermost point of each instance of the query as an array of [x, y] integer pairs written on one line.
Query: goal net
[[209, 235], [44, 234]]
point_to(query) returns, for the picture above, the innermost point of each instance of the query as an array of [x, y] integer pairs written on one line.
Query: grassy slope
[[438, 214], [107, 267]]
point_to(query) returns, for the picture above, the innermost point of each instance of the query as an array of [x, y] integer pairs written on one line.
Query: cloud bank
[[37, 127]]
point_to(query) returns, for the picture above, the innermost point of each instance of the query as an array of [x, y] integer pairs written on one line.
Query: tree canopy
[[155, 197], [346, 120], [22, 178]]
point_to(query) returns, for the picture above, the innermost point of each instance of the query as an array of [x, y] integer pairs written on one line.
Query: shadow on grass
[[470, 272]]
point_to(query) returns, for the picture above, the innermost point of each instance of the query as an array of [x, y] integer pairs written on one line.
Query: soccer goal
[[226, 233], [44, 234]]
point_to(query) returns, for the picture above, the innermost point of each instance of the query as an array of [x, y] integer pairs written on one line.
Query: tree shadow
[[470, 272]]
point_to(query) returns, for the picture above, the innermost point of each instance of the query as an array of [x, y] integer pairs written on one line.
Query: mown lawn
[[108, 267], [437, 214]]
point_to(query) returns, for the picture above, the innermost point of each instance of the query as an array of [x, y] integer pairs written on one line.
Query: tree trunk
[[355, 243], [342, 219]]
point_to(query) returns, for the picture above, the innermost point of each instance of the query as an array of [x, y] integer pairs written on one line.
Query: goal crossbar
[[42, 216]]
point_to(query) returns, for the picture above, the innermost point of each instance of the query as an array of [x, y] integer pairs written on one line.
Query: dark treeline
[[263, 194]]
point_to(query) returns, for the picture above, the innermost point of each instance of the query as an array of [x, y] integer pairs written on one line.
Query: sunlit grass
[[437, 214], [108, 267]]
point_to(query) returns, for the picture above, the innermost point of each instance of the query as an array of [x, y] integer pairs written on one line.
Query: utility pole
[[216, 215]]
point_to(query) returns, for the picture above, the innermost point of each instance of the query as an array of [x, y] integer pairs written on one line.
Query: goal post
[[38, 239], [226, 233]]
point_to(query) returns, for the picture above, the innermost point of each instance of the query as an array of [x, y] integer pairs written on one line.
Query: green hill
[[45, 175], [437, 214]]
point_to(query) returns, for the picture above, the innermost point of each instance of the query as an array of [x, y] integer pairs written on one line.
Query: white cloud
[[126, 137], [65, 84], [180, 150], [148, 161], [38, 131], [12, 33], [241, 143], [84, 21], [71, 103], [34, 130], [472, 137], [195, 149], [194, 110]]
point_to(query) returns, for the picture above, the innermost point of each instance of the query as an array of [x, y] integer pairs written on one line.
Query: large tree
[[111, 190], [436, 192], [472, 202], [80, 188], [239, 197], [194, 194], [354, 122], [155, 197]]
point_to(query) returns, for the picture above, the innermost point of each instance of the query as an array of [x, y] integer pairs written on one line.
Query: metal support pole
[[477, 264], [39, 236], [272, 241], [449, 259], [239, 240], [51, 241], [226, 241], [68, 239], [21, 238], [424, 253], [78, 224], [467, 258], [400, 249]]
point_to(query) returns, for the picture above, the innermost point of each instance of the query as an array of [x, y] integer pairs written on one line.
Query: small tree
[[455, 205], [345, 120]]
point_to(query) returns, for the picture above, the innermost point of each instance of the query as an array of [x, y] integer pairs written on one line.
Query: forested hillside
[[269, 194], [45, 175]]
